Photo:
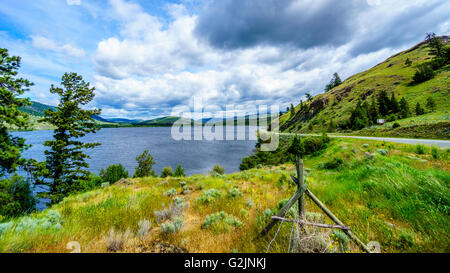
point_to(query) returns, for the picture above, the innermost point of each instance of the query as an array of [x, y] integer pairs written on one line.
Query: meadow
[[395, 194]]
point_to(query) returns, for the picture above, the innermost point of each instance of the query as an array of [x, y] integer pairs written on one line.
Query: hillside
[[398, 197], [393, 76], [36, 112]]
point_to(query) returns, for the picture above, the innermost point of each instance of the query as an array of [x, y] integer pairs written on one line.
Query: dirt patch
[[158, 246]]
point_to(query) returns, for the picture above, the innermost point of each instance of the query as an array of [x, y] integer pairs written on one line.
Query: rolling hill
[[394, 75]]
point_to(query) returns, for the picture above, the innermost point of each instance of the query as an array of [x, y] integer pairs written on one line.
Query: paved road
[[439, 143]]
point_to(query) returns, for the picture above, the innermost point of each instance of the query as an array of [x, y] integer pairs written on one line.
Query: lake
[[123, 145]]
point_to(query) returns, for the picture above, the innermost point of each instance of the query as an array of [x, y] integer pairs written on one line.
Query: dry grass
[[90, 218]]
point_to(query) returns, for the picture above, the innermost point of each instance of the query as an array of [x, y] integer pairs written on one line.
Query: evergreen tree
[[419, 110], [394, 104], [292, 110], [335, 81], [383, 103], [373, 112], [296, 147], [179, 171], [331, 126], [359, 118], [65, 163], [404, 108], [309, 97], [423, 73], [11, 87], [145, 165], [431, 104], [408, 62], [435, 44]]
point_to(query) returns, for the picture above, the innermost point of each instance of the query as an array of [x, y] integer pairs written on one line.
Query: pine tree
[[65, 163], [292, 110], [373, 112], [394, 104], [419, 110], [435, 44], [179, 171], [11, 87], [331, 126], [431, 104], [404, 108], [309, 97], [359, 118], [335, 81], [383, 103], [145, 165]]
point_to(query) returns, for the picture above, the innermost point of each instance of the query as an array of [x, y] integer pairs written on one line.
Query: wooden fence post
[[300, 181]]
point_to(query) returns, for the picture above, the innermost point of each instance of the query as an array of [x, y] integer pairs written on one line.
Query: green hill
[[394, 75], [36, 112]]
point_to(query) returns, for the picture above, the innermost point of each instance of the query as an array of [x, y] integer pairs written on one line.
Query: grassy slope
[[402, 203], [391, 75]]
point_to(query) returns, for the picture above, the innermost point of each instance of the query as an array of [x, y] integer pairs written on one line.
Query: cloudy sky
[[145, 57]]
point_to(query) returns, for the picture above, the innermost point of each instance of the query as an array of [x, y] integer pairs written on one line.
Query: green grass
[[391, 75], [400, 199]]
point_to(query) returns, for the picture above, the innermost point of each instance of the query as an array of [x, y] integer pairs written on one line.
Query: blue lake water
[[123, 145]]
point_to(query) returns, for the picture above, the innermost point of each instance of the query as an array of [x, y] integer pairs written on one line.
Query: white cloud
[[43, 43], [73, 2], [153, 66]]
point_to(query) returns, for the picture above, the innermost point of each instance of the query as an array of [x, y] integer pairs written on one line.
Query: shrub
[[249, 203], [5, 227], [435, 152], [424, 73], [420, 149], [209, 196], [93, 183], [334, 163], [50, 221], [175, 210], [382, 151], [185, 188], [145, 164], [234, 193], [179, 171], [218, 169], [113, 173], [116, 240], [162, 215], [221, 221], [172, 227], [16, 197], [341, 238], [166, 172], [171, 192], [144, 227], [395, 125]]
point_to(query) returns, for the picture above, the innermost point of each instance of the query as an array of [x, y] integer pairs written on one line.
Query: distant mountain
[[124, 120], [37, 109], [164, 121]]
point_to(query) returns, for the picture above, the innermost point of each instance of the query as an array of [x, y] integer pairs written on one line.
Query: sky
[[147, 56]]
